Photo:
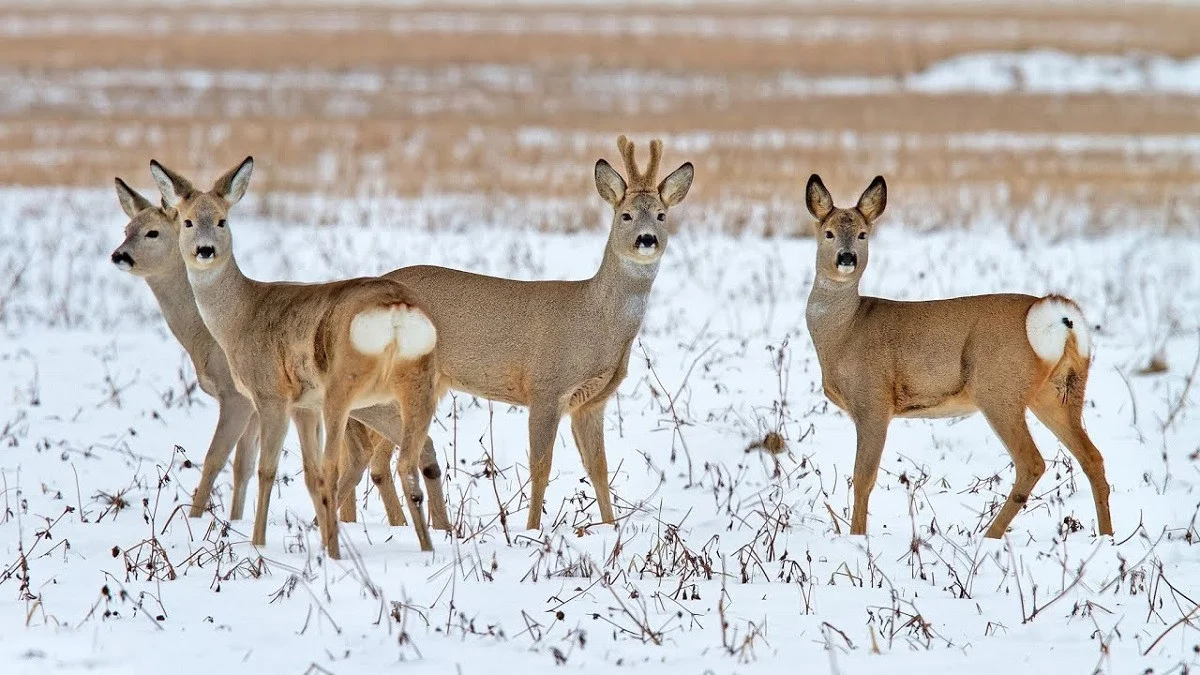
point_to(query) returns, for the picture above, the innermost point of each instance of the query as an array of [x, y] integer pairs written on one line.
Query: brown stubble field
[[519, 101]]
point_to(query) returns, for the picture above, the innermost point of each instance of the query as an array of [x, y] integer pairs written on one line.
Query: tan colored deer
[[996, 354], [558, 347], [151, 251], [360, 348]]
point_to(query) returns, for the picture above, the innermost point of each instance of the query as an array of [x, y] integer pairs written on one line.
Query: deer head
[[150, 245], [842, 234], [639, 229], [204, 238]]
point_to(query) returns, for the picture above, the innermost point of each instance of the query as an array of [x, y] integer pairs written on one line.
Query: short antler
[[638, 180]]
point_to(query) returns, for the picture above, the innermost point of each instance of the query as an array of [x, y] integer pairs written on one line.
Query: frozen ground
[[725, 560]]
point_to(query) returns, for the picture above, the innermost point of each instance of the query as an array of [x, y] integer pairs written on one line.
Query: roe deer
[[151, 251], [558, 347], [996, 354], [360, 348]]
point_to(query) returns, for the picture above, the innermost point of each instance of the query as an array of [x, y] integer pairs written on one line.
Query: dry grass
[[526, 112]]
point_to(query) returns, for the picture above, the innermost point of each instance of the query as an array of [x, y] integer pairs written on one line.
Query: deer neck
[[832, 306], [178, 306], [620, 290], [222, 295]]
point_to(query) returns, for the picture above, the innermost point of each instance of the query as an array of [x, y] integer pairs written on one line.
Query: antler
[[637, 179]]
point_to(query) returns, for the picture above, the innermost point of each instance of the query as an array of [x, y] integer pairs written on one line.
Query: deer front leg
[[337, 414], [872, 435], [378, 457], [273, 423], [587, 425], [433, 485], [389, 421], [244, 460], [543, 425], [235, 412]]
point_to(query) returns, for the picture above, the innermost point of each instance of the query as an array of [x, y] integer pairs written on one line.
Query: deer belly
[[911, 404]]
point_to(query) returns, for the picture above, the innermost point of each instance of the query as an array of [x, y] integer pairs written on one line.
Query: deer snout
[[847, 261], [205, 252], [646, 243], [122, 260]]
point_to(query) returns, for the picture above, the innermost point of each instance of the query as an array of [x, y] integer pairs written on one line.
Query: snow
[[98, 401]]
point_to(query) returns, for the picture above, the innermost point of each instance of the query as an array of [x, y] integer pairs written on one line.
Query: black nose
[[205, 252], [847, 259], [122, 257], [646, 241]]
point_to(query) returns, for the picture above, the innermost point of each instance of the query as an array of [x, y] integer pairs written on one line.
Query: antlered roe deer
[[361, 348], [995, 354], [558, 347], [151, 251]]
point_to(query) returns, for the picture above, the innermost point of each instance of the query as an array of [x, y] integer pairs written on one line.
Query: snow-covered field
[[726, 559]]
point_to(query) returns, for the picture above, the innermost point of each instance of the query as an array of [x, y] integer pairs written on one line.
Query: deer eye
[[828, 234], [221, 223], [152, 234], [862, 235], [626, 216], [662, 217], [187, 223]]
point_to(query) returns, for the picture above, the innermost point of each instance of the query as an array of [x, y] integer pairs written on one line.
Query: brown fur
[[269, 332], [558, 347], [151, 248], [941, 358]]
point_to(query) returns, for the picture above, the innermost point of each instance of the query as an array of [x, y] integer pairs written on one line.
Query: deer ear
[[675, 187], [174, 188], [232, 186], [817, 198], [169, 212], [609, 183], [873, 200], [132, 203]]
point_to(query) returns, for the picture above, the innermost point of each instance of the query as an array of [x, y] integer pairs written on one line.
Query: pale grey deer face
[[205, 241], [640, 229], [843, 235], [150, 246]]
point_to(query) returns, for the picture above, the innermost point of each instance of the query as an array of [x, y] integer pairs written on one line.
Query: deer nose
[[122, 259], [205, 252], [646, 241], [847, 259]]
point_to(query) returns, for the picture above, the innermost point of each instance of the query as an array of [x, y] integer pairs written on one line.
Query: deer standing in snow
[[151, 251], [996, 354], [361, 348], [558, 347]]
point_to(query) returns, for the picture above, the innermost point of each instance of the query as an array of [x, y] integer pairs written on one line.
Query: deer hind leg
[[273, 424], [337, 415], [433, 484], [244, 460], [358, 452], [400, 424], [543, 426], [587, 425], [231, 424], [871, 430], [1008, 421], [377, 457], [1060, 408]]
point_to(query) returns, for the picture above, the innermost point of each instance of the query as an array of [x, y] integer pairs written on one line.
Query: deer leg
[[244, 460], [392, 424], [234, 412], [1008, 421], [543, 425], [337, 415], [273, 423], [379, 458], [587, 425], [872, 435], [358, 451], [433, 484], [1066, 421]]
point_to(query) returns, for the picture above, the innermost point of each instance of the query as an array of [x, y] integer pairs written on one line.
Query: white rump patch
[[1050, 321], [412, 332]]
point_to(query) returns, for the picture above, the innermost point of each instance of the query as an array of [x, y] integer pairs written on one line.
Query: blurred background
[[1042, 117]]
